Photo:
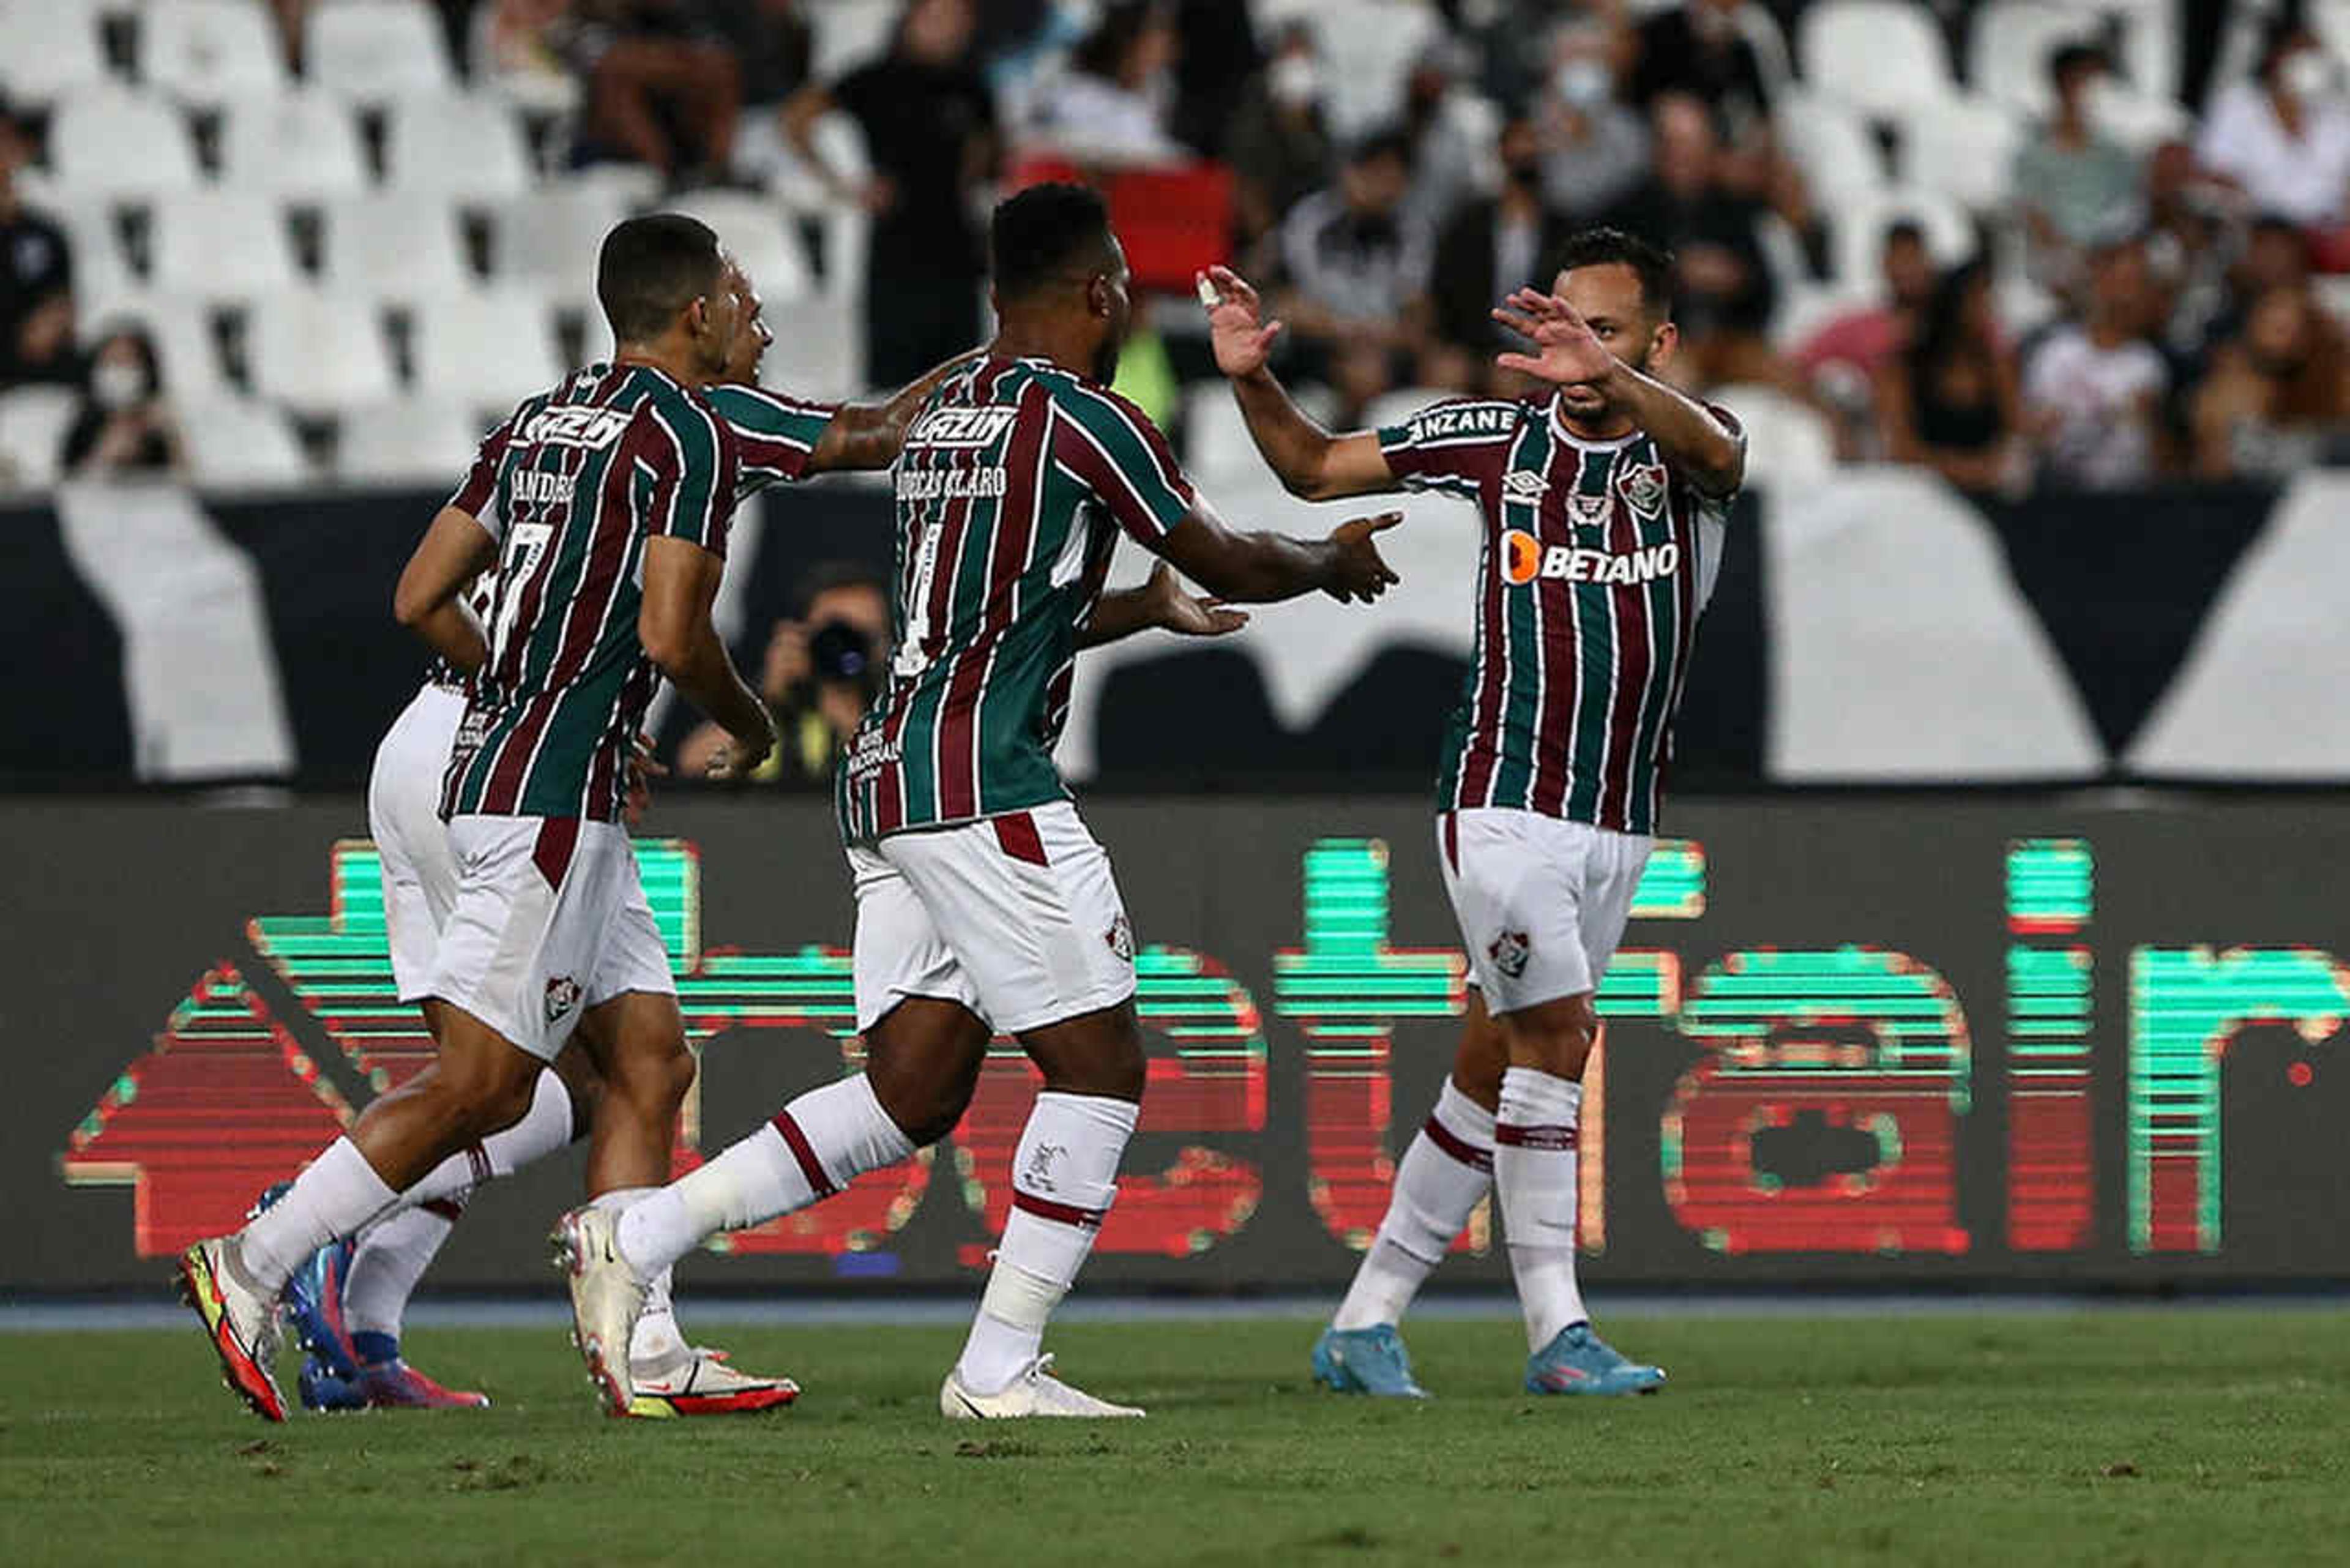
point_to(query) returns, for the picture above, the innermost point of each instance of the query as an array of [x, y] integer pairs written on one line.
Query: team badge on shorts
[[1509, 952], [561, 996], [1121, 937]]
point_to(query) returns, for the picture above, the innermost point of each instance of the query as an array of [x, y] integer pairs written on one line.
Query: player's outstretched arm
[[1265, 568], [1310, 462], [681, 584], [1569, 354], [861, 437], [1161, 603], [428, 601]]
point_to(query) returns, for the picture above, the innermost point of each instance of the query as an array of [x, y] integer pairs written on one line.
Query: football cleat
[[241, 1322], [1370, 1361], [606, 1298], [1579, 1362], [698, 1382], [1035, 1392], [314, 1310]]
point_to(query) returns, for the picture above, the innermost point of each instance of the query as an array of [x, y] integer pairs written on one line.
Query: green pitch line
[[2116, 1436]]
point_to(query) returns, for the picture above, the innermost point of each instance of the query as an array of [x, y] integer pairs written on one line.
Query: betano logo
[[1524, 558]]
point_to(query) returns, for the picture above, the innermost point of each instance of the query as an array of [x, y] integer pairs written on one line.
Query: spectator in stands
[[1490, 248], [1279, 146], [124, 428], [1597, 150], [1726, 291], [930, 129], [514, 47], [2278, 395], [2191, 238], [660, 88], [1448, 136], [819, 675], [2284, 136], [1497, 33], [1353, 274], [1697, 48], [2074, 184], [36, 307], [1216, 59], [1113, 106], [1949, 399], [1841, 362], [2093, 391]]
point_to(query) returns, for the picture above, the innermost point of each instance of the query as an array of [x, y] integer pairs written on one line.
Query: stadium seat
[[1858, 233], [1877, 56], [2007, 47], [114, 141], [211, 52], [1788, 443], [220, 245], [1368, 65], [1832, 145], [1216, 441], [376, 49], [185, 345], [392, 245], [2142, 121], [301, 145], [409, 440], [33, 425], [49, 51], [487, 348], [1963, 147], [238, 442], [753, 230], [466, 145], [548, 237], [818, 350], [320, 353], [850, 31]]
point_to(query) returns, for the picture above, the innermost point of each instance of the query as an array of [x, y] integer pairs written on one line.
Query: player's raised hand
[[1188, 615], [1361, 574], [1241, 340], [1570, 353]]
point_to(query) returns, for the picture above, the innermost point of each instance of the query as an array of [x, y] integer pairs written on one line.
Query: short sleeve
[[694, 467], [1737, 429], [477, 496], [1114, 449], [775, 434], [1457, 446]]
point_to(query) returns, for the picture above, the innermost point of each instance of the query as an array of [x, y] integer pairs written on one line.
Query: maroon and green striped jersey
[[571, 486], [1014, 481], [1597, 559]]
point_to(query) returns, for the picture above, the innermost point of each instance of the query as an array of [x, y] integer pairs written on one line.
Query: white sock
[[336, 1196], [1447, 1168], [815, 1146], [545, 1128], [392, 1256], [658, 1337], [1534, 1173], [1063, 1179]]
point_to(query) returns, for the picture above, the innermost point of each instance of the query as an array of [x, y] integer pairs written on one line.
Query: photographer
[[819, 677]]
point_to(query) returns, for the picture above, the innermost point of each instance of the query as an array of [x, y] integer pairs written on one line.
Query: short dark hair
[[1651, 263], [2066, 59], [1384, 142], [652, 267], [1906, 230], [1041, 232]]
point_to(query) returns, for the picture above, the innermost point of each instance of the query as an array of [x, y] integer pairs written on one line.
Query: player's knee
[[657, 1076], [480, 1095], [925, 1107]]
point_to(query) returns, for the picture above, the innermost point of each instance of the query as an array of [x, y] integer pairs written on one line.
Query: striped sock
[[1447, 1168], [1534, 1173]]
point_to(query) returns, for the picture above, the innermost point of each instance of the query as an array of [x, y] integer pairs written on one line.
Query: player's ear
[[1097, 295], [1663, 343]]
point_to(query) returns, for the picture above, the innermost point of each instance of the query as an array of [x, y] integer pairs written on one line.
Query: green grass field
[[2109, 1436]]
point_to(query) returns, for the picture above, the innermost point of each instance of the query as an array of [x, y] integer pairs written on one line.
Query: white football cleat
[[699, 1382], [241, 1322], [1035, 1392], [606, 1298]]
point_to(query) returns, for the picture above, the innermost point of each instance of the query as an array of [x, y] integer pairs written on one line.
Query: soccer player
[[1603, 507], [982, 904], [347, 1301], [603, 507]]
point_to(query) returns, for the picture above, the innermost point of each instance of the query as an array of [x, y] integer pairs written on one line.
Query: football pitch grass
[[2110, 1435]]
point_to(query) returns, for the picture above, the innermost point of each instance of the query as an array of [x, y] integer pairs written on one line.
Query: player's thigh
[[1028, 905], [1516, 887], [533, 905], [630, 997], [898, 953], [1613, 863]]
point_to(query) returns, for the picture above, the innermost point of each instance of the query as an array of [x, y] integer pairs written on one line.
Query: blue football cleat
[[314, 1306], [1370, 1361], [1579, 1362], [321, 1389]]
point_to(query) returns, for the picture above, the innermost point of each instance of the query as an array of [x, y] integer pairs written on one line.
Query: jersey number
[[525, 546]]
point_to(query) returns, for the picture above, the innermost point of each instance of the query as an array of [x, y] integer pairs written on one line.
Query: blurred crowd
[[2181, 327]]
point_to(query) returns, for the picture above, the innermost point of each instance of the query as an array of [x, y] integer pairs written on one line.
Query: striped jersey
[[571, 485], [1598, 558], [1014, 481]]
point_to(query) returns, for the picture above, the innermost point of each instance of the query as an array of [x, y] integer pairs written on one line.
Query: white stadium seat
[[1964, 147], [47, 51], [320, 353], [220, 245], [489, 348], [849, 33], [113, 142], [375, 49], [211, 52], [392, 245], [185, 344], [409, 440], [550, 238], [466, 145], [233, 442], [1216, 443], [1858, 233], [1832, 145], [1789, 443], [819, 348], [301, 145], [753, 229], [2009, 44], [33, 425], [1877, 56]]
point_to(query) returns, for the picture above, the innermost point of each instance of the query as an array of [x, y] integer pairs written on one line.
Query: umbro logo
[[1523, 485]]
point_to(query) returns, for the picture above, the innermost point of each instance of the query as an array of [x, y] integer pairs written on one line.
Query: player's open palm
[[1568, 352], [1361, 574], [1242, 338], [1188, 615]]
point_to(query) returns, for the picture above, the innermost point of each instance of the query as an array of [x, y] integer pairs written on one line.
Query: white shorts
[[550, 920], [1541, 902], [1016, 916], [420, 870]]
